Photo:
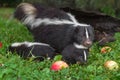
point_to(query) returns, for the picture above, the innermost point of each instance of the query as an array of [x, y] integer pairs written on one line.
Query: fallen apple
[[0, 44], [111, 65], [58, 65], [106, 49]]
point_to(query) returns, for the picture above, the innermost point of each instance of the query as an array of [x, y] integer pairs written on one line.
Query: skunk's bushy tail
[[26, 13]]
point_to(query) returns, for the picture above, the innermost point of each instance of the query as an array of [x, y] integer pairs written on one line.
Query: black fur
[[58, 36], [39, 51], [74, 55], [105, 26]]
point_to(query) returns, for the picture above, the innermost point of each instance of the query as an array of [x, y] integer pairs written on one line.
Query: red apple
[[111, 65], [58, 65], [106, 49], [0, 44]]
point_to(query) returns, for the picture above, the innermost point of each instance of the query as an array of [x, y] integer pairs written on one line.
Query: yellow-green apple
[[111, 65]]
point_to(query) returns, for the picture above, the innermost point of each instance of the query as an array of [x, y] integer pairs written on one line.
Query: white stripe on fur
[[79, 46], [85, 56], [28, 44], [87, 35], [75, 22], [47, 21], [35, 22], [29, 19]]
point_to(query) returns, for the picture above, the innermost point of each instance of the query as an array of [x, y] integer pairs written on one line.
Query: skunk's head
[[73, 55], [84, 35]]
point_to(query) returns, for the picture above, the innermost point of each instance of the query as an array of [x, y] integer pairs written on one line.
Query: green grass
[[16, 68]]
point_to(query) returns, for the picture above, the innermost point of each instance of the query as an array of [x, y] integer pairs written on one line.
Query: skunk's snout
[[87, 43]]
